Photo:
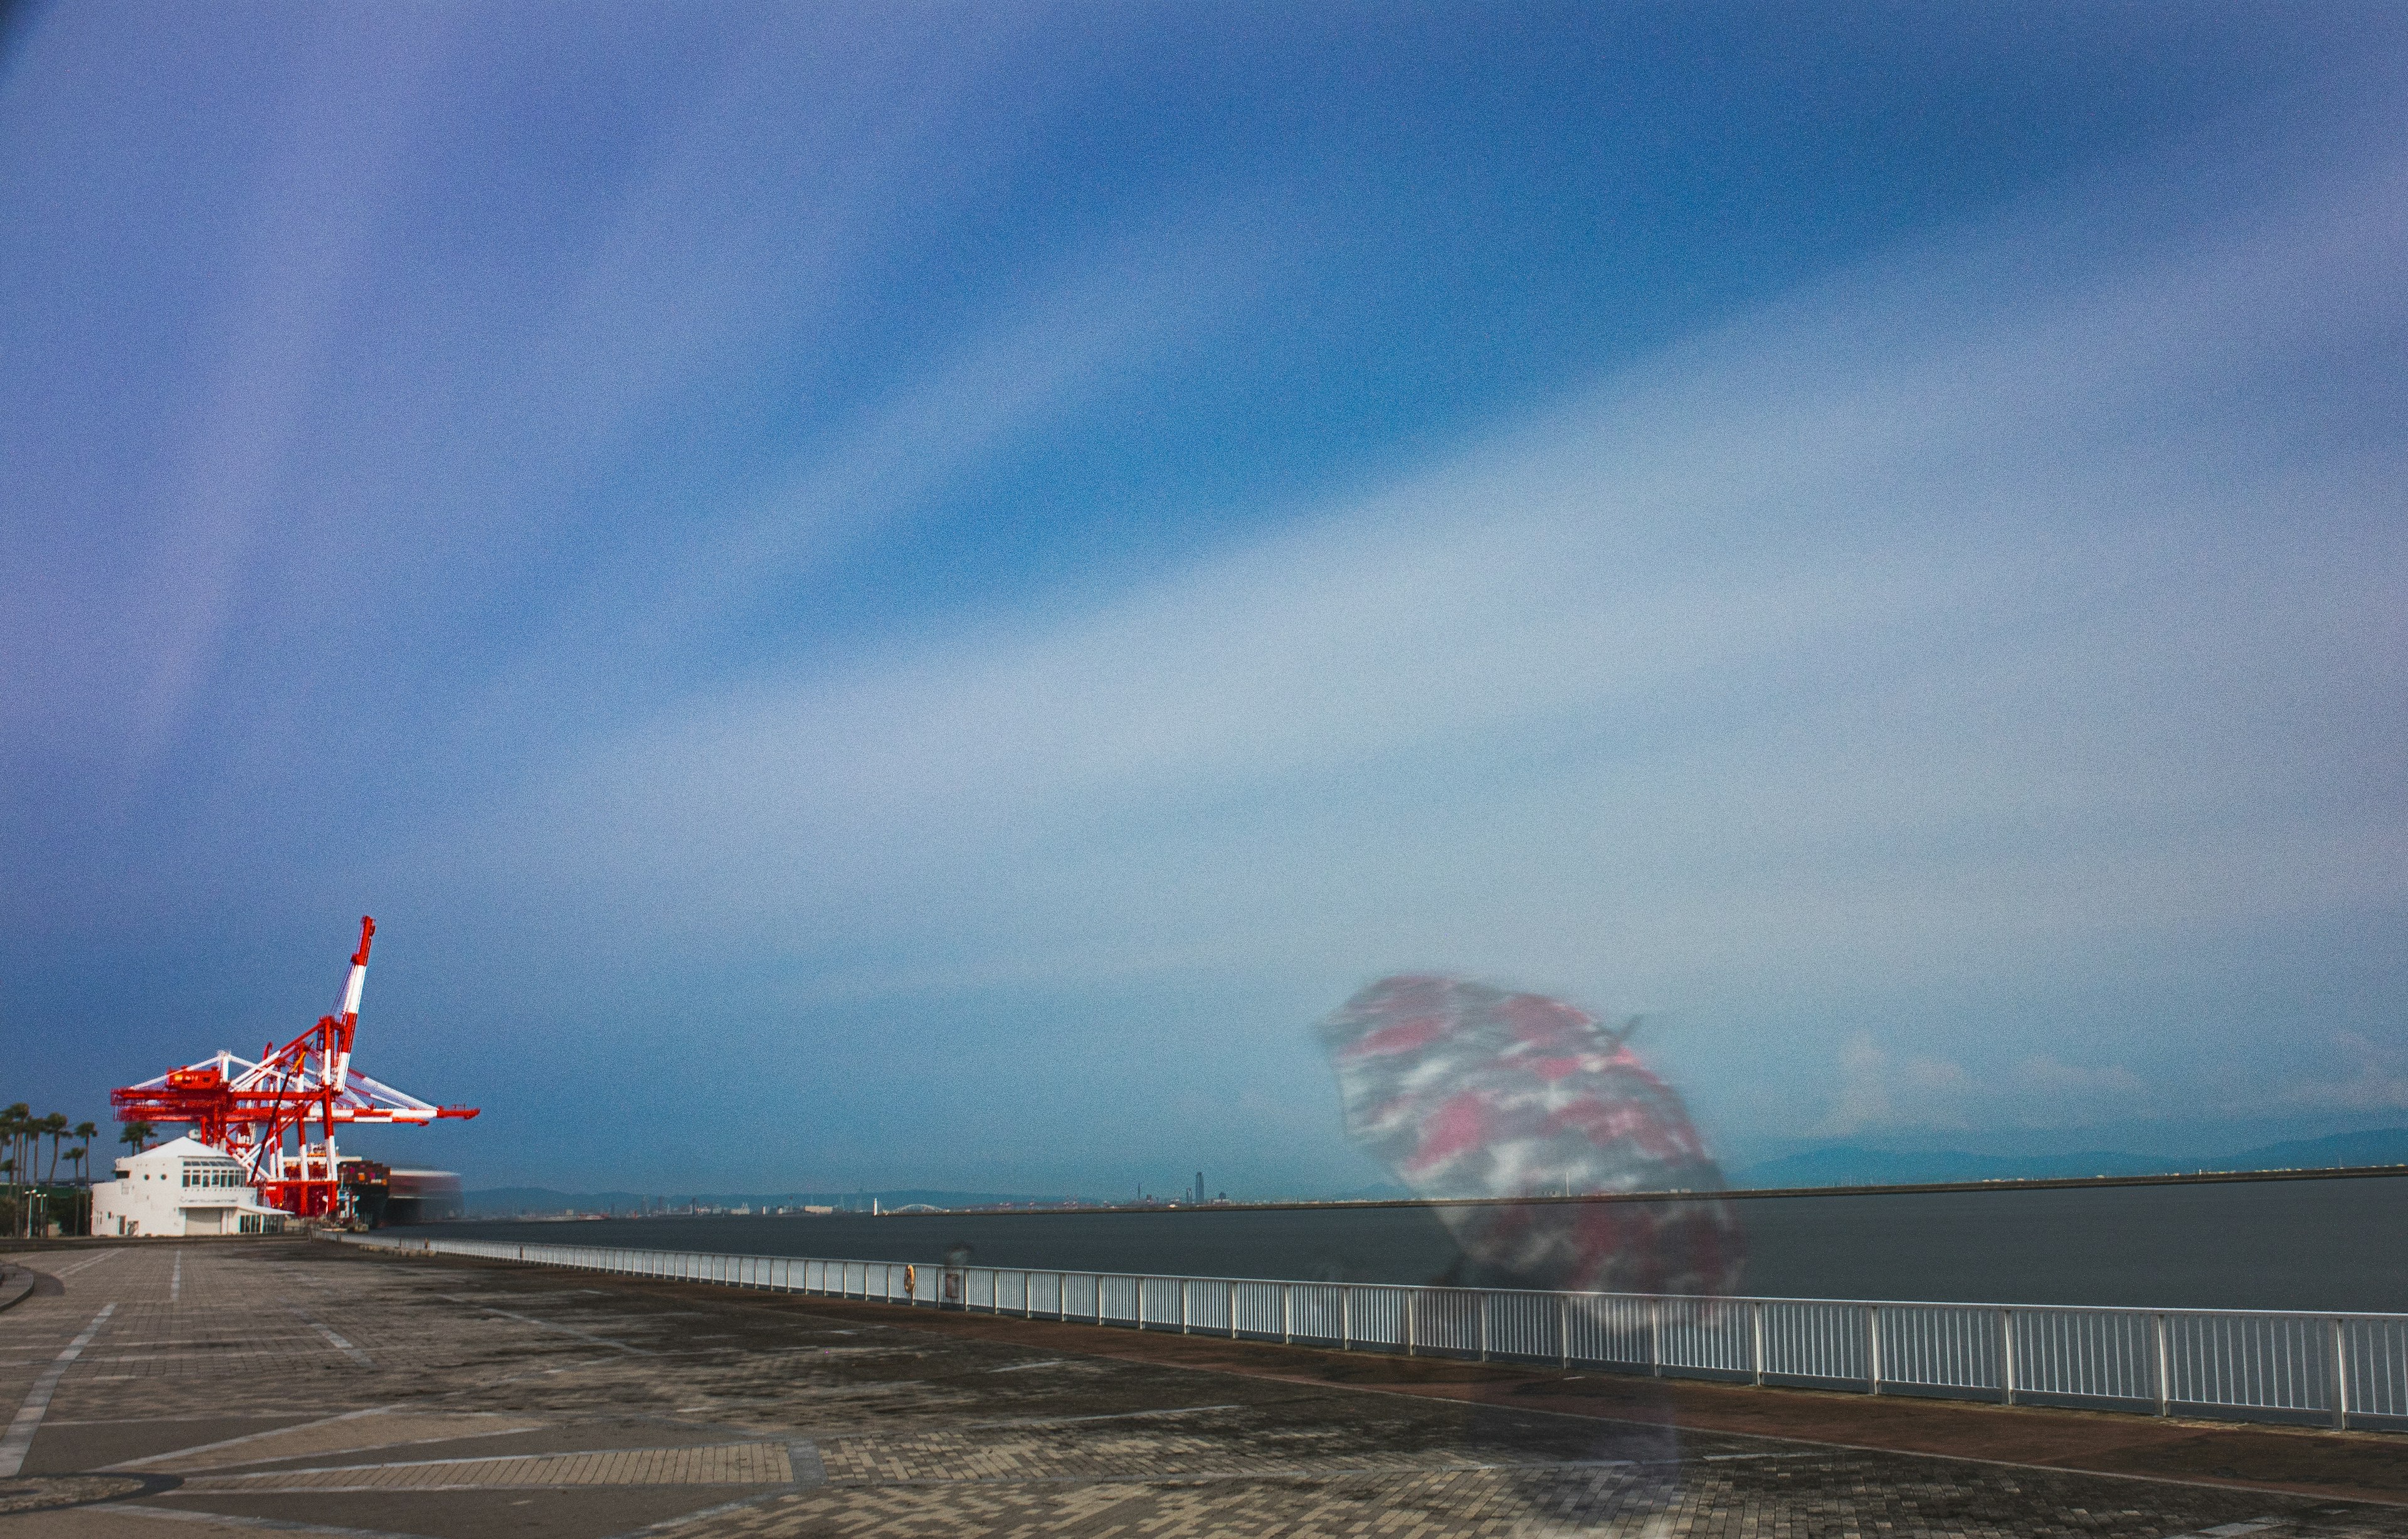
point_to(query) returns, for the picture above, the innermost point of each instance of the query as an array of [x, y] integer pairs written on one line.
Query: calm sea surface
[[2311, 1244]]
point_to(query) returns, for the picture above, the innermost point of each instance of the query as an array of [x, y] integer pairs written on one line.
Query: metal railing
[[2338, 1370]]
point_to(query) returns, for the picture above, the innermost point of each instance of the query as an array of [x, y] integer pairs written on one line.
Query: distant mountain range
[[1832, 1165], [1850, 1165]]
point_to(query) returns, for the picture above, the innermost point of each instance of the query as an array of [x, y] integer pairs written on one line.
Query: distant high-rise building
[[1199, 1188]]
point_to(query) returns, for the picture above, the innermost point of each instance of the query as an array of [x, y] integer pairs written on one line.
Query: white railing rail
[[2338, 1370]]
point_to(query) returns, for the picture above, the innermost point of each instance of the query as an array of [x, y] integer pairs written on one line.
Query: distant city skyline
[[907, 599]]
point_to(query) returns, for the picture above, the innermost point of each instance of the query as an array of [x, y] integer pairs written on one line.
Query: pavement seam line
[[564, 1329], [1291, 1473], [89, 1261], [545, 1372], [280, 1524], [782, 1488], [1108, 1416], [327, 1421], [247, 1437], [492, 1459], [328, 1331], [696, 1517], [20, 1440]]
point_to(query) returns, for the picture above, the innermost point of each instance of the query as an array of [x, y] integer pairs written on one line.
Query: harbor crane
[[264, 1113]]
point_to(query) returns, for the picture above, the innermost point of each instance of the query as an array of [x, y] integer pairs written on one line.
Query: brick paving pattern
[[250, 1387]]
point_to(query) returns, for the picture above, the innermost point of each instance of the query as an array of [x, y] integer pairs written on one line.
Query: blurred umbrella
[[1465, 1090]]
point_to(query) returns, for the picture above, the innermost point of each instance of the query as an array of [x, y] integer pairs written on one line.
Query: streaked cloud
[[2376, 1079], [1880, 1092], [1672, 623]]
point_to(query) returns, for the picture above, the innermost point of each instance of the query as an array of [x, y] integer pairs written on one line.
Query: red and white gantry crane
[[264, 1113]]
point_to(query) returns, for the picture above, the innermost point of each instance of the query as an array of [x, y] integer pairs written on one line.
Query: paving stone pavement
[[236, 1386]]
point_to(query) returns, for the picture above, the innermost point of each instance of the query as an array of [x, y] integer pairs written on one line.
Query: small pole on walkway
[[2007, 1354], [2164, 1371], [2341, 1374]]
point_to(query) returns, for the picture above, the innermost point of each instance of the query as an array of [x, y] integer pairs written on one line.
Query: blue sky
[[905, 597]]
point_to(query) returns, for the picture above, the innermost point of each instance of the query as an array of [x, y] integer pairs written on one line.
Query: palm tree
[[54, 1127], [134, 1135], [87, 1133], [13, 1123]]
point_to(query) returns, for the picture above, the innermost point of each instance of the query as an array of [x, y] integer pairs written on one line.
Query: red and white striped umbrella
[[1466, 1090]]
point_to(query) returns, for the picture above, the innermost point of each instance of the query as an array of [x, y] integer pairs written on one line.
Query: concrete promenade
[[182, 1390]]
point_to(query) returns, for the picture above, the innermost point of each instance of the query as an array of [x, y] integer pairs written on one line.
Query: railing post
[[2163, 1369], [1346, 1316], [1233, 1309], [1183, 1306], [1287, 1319], [1655, 1337], [1482, 1297], [1061, 1295], [2341, 1374], [1563, 1331], [1873, 1349], [1756, 1333], [2007, 1356], [1412, 1296]]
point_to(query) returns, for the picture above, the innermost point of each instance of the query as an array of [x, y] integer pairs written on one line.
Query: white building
[[183, 1187]]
